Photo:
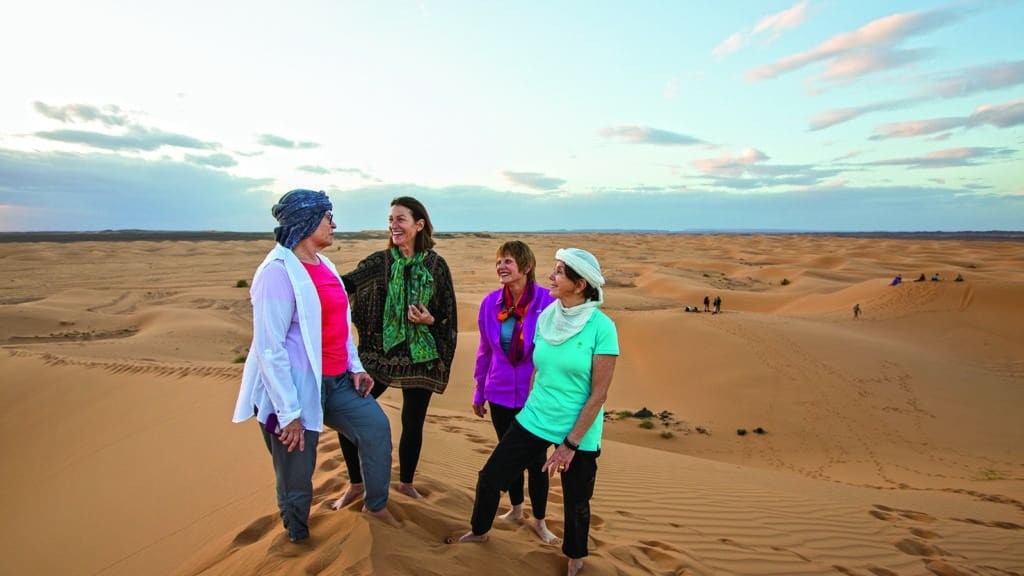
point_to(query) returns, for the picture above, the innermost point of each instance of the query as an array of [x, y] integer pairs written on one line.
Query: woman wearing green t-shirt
[[576, 346]]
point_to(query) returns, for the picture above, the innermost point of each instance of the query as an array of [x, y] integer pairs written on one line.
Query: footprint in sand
[[322, 560], [331, 464], [908, 514], [254, 531], [879, 571], [994, 524], [926, 534], [916, 547]]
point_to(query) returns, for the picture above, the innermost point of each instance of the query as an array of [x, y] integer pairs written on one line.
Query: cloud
[[771, 25], [829, 207], [830, 118], [1006, 115], [748, 171], [849, 67], [282, 142], [97, 191], [62, 191], [533, 180], [730, 165], [314, 169], [357, 172], [879, 37], [978, 79], [647, 135], [133, 139], [949, 158], [109, 115], [214, 160]]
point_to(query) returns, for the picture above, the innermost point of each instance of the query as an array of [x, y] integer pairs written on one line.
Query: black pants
[[501, 418], [414, 412], [517, 448]]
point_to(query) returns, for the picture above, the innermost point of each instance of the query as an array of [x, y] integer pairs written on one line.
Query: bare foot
[[575, 566], [385, 515], [466, 538], [541, 528], [352, 493], [513, 515], [408, 490]]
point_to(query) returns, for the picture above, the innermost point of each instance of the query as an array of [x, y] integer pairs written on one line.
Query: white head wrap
[[585, 265], [557, 323]]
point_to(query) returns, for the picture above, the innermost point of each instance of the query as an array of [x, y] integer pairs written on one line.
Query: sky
[[818, 115]]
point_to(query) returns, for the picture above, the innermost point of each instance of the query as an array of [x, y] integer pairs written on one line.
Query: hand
[[418, 314], [559, 461], [363, 383], [480, 410], [294, 434]]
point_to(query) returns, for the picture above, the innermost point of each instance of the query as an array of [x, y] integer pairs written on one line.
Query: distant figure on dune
[[920, 278], [302, 370], [856, 311], [403, 305], [959, 278], [936, 277], [707, 303], [504, 365], [718, 304], [575, 352], [897, 280]]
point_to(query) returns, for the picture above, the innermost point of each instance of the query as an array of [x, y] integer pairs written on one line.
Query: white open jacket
[[285, 363]]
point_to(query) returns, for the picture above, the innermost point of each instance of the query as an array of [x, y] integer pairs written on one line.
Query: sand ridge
[[893, 442]]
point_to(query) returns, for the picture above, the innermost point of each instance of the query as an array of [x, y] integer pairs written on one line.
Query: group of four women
[[544, 364]]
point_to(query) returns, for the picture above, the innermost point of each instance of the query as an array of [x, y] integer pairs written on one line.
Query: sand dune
[[893, 442]]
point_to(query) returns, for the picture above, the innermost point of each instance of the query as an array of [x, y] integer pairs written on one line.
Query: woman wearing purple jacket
[[504, 364]]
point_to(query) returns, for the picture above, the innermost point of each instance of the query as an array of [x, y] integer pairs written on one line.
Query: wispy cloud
[[749, 171], [730, 165], [978, 79], [282, 142], [70, 113], [133, 139], [830, 118], [770, 26], [1005, 115], [312, 169], [215, 160], [949, 158], [357, 172], [879, 38], [533, 180], [648, 135]]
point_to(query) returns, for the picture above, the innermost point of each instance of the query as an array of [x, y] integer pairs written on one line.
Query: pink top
[[333, 318]]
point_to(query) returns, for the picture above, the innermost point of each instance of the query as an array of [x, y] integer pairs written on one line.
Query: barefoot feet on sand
[[385, 515], [541, 528], [352, 493], [515, 514], [575, 566], [408, 490], [466, 538]]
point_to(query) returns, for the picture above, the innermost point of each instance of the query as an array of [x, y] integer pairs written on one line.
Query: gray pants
[[364, 423], [294, 472]]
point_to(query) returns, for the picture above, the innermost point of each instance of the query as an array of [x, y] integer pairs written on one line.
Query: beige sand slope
[[893, 444]]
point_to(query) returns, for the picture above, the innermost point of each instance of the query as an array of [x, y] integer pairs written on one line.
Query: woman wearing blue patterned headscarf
[[302, 375]]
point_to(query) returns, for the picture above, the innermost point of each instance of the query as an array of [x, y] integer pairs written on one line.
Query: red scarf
[[518, 311]]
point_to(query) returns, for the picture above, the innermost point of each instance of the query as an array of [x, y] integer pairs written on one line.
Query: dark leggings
[[414, 412], [517, 448], [501, 417]]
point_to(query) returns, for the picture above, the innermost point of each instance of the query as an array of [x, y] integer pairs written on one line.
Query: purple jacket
[[497, 380]]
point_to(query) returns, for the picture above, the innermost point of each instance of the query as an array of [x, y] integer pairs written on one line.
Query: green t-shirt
[[562, 384]]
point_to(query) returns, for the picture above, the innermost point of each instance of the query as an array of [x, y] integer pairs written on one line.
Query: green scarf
[[420, 289]]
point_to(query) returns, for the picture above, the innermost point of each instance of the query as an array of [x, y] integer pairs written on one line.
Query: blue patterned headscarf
[[299, 212]]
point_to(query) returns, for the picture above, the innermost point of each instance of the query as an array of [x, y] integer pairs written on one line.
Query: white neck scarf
[[557, 323]]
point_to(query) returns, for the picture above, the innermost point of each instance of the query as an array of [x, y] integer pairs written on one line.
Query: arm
[[362, 381], [483, 362], [601, 379], [273, 305]]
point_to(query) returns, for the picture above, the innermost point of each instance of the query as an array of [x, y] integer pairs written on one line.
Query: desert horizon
[[786, 436]]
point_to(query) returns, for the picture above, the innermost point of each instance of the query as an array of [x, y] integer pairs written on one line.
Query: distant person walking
[[856, 311], [707, 304], [718, 304]]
